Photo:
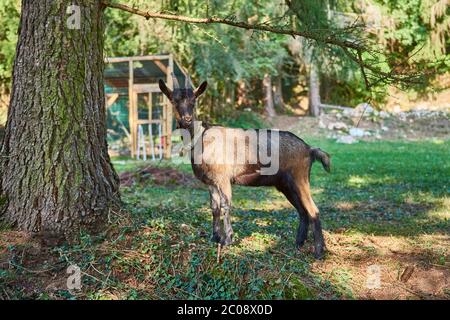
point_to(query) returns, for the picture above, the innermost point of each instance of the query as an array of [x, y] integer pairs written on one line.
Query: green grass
[[403, 187], [398, 190]]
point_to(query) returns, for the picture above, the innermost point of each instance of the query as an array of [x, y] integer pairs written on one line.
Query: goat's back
[[241, 155]]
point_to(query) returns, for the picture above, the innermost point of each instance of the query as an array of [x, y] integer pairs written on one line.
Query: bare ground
[[408, 127]]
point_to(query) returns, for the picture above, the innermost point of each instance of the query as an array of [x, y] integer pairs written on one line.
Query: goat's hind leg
[[302, 230], [289, 189], [313, 213]]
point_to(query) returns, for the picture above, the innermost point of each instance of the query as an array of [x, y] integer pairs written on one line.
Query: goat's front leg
[[215, 207], [225, 206]]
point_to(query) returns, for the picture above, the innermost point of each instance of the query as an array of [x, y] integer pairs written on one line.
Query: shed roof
[[146, 69]]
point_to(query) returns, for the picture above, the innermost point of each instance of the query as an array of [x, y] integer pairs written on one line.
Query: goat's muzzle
[[186, 122]]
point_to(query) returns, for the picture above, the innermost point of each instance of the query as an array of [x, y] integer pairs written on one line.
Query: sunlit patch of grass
[[343, 277], [315, 190], [442, 215], [297, 290], [262, 222], [345, 205], [437, 141], [258, 242], [356, 181], [442, 210]]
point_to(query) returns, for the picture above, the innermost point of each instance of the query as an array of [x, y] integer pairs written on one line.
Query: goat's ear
[[165, 90], [201, 88]]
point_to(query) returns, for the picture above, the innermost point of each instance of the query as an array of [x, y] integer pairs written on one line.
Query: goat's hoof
[[300, 245], [319, 252], [216, 238]]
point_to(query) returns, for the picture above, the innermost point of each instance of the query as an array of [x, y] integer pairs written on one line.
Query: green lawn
[[385, 203], [398, 190]]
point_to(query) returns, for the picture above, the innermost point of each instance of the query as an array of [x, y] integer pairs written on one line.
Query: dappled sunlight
[[272, 200], [442, 210], [262, 222], [269, 205], [356, 181], [437, 141], [317, 191], [345, 205], [440, 214], [257, 242]]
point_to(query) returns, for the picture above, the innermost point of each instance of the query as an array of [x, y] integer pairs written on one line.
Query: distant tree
[[268, 96], [314, 91], [278, 92]]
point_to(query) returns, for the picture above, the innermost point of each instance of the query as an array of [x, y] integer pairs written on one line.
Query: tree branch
[[327, 39], [334, 38], [407, 78]]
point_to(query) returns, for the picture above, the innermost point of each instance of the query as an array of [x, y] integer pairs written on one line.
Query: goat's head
[[183, 100]]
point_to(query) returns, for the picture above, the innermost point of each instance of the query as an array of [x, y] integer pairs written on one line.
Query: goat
[[292, 176]]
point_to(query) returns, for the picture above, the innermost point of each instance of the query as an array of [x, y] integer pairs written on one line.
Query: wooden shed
[[134, 82]]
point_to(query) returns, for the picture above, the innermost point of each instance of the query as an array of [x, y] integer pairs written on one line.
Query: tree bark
[[314, 91], [56, 175], [278, 93], [242, 91], [268, 96]]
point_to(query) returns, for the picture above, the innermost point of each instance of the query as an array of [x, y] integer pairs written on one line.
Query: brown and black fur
[[292, 178]]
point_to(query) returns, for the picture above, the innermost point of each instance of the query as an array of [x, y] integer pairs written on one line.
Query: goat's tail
[[323, 157]]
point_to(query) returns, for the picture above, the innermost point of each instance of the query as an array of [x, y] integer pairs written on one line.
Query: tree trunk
[[242, 99], [278, 93], [314, 91], [56, 175], [268, 97]]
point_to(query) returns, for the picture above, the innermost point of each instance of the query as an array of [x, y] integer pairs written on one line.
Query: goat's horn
[[188, 83], [176, 85]]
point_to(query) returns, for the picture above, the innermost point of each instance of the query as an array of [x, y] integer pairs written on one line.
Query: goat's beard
[[181, 125]]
